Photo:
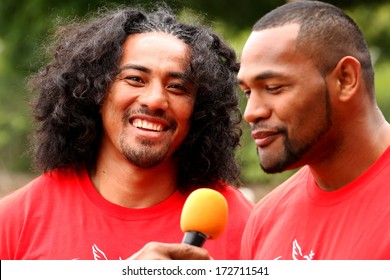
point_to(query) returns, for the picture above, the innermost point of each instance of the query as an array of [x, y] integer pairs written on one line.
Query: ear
[[346, 77]]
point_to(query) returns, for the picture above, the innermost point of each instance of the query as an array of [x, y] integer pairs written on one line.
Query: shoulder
[[283, 193], [16, 209], [235, 197], [270, 208], [31, 189], [43, 186], [239, 206]]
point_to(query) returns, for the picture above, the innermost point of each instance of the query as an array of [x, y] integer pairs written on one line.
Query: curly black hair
[[71, 87]]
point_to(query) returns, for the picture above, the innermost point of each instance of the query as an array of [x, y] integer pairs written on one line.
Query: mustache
[[262, 126]]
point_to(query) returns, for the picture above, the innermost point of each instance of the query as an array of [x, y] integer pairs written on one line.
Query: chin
[[275, 167]]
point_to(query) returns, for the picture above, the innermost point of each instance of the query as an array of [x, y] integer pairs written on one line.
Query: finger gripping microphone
[[204, 216]]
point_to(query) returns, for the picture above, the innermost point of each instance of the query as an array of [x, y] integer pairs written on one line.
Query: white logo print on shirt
[[297, 253], [99, 254]]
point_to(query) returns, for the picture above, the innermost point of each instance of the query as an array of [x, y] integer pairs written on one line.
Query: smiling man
[[146, 117], [135, 111]]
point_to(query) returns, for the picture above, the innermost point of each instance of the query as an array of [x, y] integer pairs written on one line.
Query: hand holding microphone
[[204, 216]]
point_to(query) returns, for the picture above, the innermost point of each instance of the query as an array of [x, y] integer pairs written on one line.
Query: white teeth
[[147, 125]]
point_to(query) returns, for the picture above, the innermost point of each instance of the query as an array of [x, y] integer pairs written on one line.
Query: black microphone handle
[[194, 238]]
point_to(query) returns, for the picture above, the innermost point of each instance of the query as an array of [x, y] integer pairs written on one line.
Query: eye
[[246, 92], [179, 89], [134, 80], [274, 89]]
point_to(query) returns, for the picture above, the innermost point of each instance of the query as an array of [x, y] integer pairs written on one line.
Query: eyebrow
[[135, 67], [263, 76], [141, 68]]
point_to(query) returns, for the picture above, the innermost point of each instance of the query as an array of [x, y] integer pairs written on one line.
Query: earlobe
[[347, 75]]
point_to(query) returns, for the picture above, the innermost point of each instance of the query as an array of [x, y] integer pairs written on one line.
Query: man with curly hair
[[134, 111]]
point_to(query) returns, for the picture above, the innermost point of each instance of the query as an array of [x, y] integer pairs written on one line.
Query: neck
[[129, 186], [357, 151]]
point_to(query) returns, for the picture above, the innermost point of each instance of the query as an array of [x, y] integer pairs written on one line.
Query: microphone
[[204, 216]]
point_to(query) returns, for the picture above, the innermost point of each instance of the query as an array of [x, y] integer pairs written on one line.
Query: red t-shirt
[[300, 221], [62, 216]]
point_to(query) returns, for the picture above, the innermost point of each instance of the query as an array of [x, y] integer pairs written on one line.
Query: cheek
[[114, 104], [108, 113], [308, 120], [184, 108], [111, 115], [183, 112]]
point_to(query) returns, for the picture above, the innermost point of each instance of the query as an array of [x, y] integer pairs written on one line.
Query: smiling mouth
[[151, 126]]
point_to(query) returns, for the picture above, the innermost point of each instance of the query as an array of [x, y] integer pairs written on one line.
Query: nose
[[155, 97], [256, 109]]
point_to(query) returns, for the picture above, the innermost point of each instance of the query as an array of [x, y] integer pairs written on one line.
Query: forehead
[[155, 48], [271, 48]]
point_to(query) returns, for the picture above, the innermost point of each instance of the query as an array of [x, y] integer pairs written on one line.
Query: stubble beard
[[144, 155], [293, 153]]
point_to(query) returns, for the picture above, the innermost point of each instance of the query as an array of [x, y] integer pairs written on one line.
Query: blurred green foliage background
[[25, 25]]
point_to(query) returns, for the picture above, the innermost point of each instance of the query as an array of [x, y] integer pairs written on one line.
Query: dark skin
[[329, 141]]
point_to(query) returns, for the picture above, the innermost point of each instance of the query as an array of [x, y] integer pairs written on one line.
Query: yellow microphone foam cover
[[205, 211]]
